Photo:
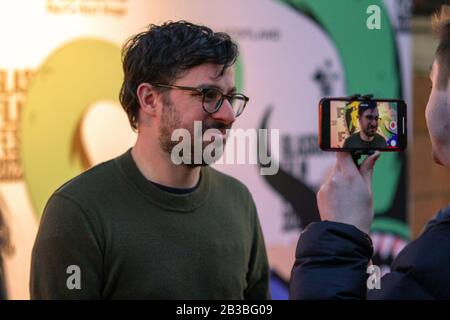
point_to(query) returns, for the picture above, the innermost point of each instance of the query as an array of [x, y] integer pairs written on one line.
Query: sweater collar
[[170, 201]]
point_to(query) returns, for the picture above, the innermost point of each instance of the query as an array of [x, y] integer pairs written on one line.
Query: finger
[[331, 172], [367, 166], [345, 163]]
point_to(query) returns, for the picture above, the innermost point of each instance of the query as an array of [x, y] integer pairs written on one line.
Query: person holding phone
[[367, 137], [333, 255]]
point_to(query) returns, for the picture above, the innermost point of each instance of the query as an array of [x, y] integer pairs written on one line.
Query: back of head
[[438, 107]]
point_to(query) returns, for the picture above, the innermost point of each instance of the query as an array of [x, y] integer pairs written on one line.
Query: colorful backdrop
[[60, 74]]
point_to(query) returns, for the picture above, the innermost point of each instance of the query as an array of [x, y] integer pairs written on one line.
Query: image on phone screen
[[363, 125]]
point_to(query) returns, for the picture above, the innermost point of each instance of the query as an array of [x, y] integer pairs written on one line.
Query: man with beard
[[367, 137], [140, 226]]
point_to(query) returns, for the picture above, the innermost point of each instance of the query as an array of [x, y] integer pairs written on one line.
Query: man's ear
[[147, 97]]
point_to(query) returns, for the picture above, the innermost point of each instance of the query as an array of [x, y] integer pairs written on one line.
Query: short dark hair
[[164, 52], [441, 28], [366, 105]]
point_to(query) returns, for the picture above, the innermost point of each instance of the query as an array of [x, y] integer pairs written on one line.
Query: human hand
[[346, 195]]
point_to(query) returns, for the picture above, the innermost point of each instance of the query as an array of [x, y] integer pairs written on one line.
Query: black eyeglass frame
[[202, 91]]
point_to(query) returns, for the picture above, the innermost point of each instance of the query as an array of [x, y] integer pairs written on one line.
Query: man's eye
[[211, 95]]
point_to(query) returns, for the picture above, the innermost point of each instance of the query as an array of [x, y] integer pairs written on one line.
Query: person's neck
[[365, 137], [156, 165]]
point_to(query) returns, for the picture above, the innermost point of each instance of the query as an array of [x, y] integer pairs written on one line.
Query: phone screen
[[364, 125]]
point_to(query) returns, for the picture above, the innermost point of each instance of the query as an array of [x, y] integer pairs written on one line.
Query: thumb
[[366, 168]]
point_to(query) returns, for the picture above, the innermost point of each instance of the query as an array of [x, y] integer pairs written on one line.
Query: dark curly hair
[[163, 53], [366, 105]]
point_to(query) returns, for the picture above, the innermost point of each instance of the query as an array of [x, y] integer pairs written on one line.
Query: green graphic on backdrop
[[71, 79], [345, 23]]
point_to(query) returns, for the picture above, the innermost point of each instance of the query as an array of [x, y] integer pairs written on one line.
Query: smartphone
[[347, 124]]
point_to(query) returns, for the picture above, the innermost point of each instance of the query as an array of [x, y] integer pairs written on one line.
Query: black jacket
[[332, 259]]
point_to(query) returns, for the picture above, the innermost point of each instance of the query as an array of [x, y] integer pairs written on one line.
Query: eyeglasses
[[372, 118], [212, 98]]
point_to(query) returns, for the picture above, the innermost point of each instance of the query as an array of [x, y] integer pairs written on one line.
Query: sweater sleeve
[[331, 262], [67, 256], [258, 274]]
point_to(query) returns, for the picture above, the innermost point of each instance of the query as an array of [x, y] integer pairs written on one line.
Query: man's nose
[[225, 113]]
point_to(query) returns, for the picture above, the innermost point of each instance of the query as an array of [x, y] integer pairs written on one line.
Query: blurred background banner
[[60, 74]]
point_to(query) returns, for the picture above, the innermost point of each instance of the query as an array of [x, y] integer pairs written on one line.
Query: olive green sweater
[[111, 234]]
